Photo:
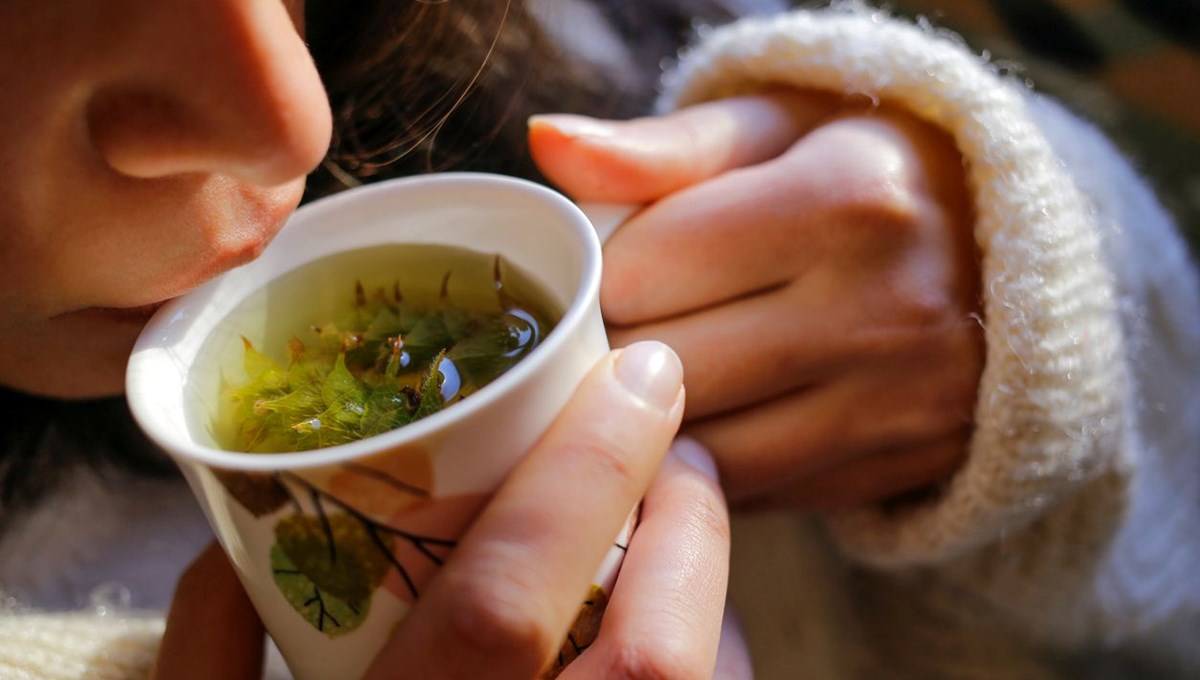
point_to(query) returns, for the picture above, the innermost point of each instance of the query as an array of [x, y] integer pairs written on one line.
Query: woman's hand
[[501, 605], [813, 264]]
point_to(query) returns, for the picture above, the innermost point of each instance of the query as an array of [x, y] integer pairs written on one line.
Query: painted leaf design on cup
[[432, 529], [336, 552], [582, 634], [340, 554], [384, 485], [259, 493], [326, 612]]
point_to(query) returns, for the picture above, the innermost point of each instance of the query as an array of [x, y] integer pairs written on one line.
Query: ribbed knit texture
[[81, 646]]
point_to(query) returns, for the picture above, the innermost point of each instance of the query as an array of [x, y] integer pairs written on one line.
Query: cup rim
[[149, 351]]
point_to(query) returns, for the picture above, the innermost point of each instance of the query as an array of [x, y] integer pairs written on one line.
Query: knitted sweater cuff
[[77, 646], [1049, 417]]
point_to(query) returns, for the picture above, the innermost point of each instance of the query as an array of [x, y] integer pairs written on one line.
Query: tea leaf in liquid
[[385, 358]]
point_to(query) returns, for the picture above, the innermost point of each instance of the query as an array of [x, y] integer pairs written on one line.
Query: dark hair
[[419, 87], [43, 440], [416, 86], [423, 86]]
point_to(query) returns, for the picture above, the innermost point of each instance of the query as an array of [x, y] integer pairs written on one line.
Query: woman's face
[[145, 146]]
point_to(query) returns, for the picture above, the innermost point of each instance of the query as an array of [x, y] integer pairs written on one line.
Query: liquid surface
[[363, 342]]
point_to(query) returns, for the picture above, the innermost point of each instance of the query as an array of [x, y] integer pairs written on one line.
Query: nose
[[211, 86]]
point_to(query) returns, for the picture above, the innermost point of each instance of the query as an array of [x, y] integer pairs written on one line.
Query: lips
[[131, 315]]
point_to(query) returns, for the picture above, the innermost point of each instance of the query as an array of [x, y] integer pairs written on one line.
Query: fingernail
[[693, 453], [652, 371], [570, 125]]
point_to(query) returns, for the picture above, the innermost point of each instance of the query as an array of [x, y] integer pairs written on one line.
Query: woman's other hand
[[812, 262]]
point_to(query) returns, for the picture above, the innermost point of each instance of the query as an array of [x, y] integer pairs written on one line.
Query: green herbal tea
[[367, 341]]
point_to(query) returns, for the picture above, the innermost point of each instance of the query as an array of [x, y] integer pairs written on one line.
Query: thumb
[[642, 160]]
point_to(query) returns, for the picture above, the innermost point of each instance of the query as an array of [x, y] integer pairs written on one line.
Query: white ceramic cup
[[330, 618]]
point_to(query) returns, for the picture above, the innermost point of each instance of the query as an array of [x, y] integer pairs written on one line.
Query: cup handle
[[606, 218]]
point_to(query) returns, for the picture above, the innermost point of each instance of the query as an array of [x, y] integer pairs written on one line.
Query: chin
[[76, 356]]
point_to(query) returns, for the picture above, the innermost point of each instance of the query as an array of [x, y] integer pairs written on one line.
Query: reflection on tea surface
[[363, 342]]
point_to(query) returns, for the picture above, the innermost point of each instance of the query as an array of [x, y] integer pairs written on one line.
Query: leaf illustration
[[327, 613], [426, 533], [583, 632], [261, 494], [385, 485], [336, 552]]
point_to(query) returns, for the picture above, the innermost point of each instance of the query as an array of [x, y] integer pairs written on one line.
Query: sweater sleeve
[[1056, 415], [77, 646]]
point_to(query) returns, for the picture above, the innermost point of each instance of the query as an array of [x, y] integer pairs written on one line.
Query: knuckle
[[707, 515], [653, 660], [882, 208], [868, 178], [619, 291], [924, 306], [608, 458], [498, 622], [917, 294]]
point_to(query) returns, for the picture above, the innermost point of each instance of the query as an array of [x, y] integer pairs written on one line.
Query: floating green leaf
[[262, 369], [380, 364], [386, 409], [431, 389]]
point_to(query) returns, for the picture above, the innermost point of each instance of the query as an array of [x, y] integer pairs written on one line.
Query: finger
[[761, 347], [642, 160], [883, 476], [774, 444], [714, 242], [664, 619], [212, 628], [863, 191], [749, 350], [501, 604]]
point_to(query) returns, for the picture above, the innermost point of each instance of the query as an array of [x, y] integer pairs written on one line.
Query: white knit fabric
[[80, 646], [1074, 524]]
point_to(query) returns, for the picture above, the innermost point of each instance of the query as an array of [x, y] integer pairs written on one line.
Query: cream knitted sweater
[[1069, 543]]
